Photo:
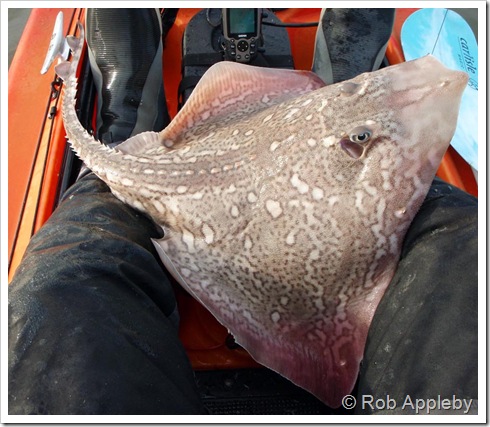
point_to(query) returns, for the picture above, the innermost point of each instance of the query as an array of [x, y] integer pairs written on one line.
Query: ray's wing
[[227, 92]]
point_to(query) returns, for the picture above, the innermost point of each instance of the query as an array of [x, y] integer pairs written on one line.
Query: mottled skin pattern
[[284, 204]]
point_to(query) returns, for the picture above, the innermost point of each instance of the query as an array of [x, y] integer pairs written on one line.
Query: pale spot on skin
[[291, 113], [143, 160], [284, 301], [315, 254], [275, 317], [400, 213], [274, 146], [185, 272], [148, 171], [235, 132], [234, 211], [332, 200], [127, 182], [274, 208], [308, 101], [387, 186], [291, 238], [197, 196], [317, 193], [309, 117], [248, 243], [329, 141], [301, 186], [145, 192], [181, 189], [252, 197], [249, 132], [188, 239], [311, 142], [208, 234], [267, 118]]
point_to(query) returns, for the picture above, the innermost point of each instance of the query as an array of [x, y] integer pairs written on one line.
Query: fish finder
[[242, 33]]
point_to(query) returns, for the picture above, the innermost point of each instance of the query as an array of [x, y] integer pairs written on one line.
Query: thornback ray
[[286, 218]]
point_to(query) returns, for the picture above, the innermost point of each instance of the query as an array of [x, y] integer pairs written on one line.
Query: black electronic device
[[242, 33], [202, 46]]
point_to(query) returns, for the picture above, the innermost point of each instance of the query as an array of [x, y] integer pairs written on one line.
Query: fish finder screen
[[242, 22]]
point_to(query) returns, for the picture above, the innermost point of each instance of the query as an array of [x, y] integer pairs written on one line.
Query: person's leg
[[93, 318], [423, 339]]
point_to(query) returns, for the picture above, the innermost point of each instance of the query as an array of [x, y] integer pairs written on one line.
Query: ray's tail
[[84, 144]]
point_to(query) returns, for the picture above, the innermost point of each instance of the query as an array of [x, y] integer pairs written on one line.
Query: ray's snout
[[429, 73], [452, 80], [427, 96]]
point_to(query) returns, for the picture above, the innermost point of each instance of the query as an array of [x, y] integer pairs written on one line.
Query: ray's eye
[[354, 144], [360, 135]]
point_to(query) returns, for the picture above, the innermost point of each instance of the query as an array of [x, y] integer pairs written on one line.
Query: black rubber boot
[[125, 51], [350, 42]]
